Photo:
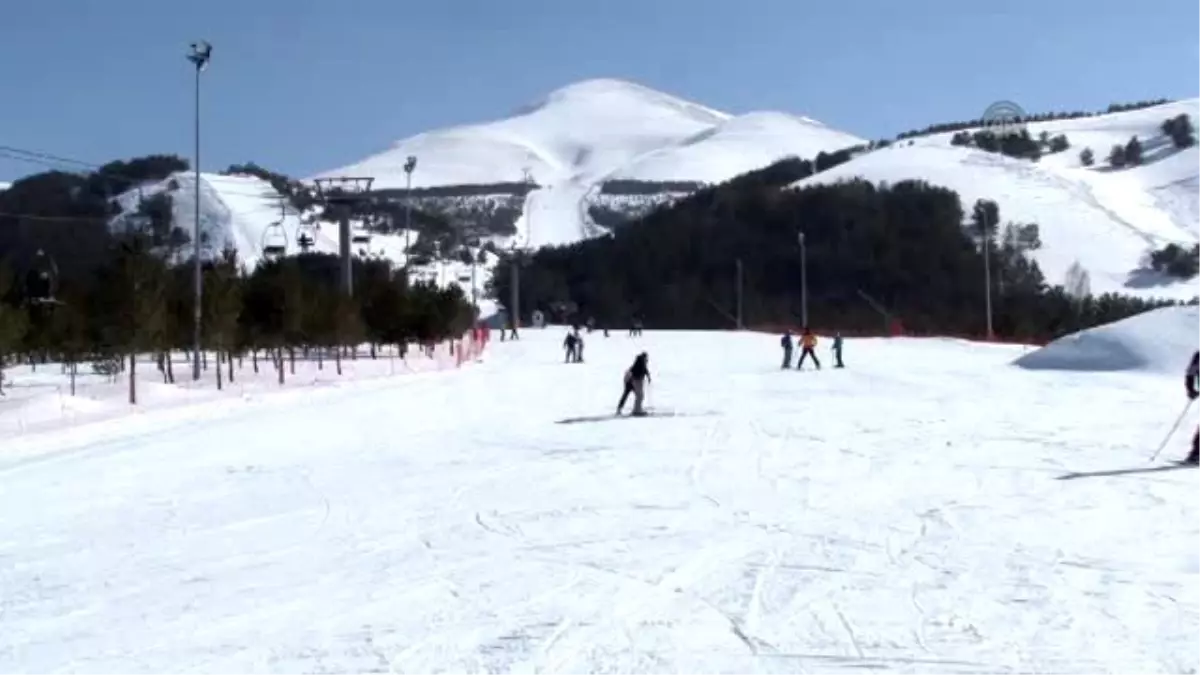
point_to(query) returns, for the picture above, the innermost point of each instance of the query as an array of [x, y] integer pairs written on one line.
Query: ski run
[[901, 514]]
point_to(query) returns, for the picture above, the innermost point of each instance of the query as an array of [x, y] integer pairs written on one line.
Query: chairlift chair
[[306, 233], [274, 243], [42, 282]]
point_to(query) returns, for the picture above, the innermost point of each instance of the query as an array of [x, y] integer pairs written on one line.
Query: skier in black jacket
[[635, 383], [1193, 390], [571, 344]]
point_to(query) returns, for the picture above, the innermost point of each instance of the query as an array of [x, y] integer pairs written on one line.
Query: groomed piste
[[898, 515]]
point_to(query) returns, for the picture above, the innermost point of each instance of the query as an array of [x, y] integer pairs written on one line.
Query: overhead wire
[[55, 161]]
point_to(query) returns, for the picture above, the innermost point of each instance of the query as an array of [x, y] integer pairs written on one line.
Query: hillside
[[244, 212], [584, 134], [1106, 219]]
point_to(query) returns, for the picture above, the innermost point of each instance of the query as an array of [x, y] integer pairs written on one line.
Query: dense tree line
[[139, 303], [944, 127], [1177, 261], [1019, 144], [873, 253], [81, 281]]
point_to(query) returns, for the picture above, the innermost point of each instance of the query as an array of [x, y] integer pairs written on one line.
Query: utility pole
[[515, 310], [803, 282], [987, 272], [738, 289], [527, 178], [199, 56], [340, 192], [410, 165]]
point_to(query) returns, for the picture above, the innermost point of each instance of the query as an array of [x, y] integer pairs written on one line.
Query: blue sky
[[302, 86]]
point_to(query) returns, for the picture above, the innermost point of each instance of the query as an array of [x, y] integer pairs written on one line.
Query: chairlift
[[306, 234], [274, 241], [42, 281], [360, 237], [464, 278]]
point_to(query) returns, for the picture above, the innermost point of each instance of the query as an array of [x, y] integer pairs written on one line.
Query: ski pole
[[1174, 427]]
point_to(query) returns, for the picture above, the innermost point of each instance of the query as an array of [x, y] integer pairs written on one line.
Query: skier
[[808, 342], [571, 344], [1193, 390], [837, 350], [786, 343], [578, 347], [635, 383]]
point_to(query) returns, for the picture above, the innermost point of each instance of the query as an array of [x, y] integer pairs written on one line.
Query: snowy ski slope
[[244, 212], [892, 515], [1107, 220], [584, 133]]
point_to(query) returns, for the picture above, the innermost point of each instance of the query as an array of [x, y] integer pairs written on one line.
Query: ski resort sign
[[1004, 118]]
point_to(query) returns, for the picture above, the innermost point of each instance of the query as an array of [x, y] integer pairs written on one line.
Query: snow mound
[[4, 186], [1159, 341], [1106, 220], [739, 145]]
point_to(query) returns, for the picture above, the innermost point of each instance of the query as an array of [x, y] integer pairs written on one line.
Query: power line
[[54, 161]]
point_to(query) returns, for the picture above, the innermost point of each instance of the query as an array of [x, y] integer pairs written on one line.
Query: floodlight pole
[[410, 165], [199, 56], [803, 281], [987, 273]]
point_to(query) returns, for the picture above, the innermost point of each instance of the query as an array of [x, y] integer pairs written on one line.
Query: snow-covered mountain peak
[[618, 97]]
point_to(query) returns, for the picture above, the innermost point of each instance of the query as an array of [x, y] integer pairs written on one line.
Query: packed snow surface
[[892, 515], [1106, 220], [1159, 341]]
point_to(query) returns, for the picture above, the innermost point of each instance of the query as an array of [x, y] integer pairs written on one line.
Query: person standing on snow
[[837, 350], [786, 343], [578, 347], [1193, 390], [571, 344], [808, 343], [635, 383]]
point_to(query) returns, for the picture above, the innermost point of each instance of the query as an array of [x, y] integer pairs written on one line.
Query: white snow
[[591, 131], [4, 186], [244, 212], [739, 145], [1158, 341], [1106, 220], [893, 515]]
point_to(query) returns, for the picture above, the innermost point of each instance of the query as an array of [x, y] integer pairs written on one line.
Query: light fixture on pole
[[410, 165], [803, 281], [200, 54]]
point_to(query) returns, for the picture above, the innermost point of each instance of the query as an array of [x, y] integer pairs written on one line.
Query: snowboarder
[[808, 343], [635, 383], [1193, 390], [837, 350], [571, 344], [786, 343]]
